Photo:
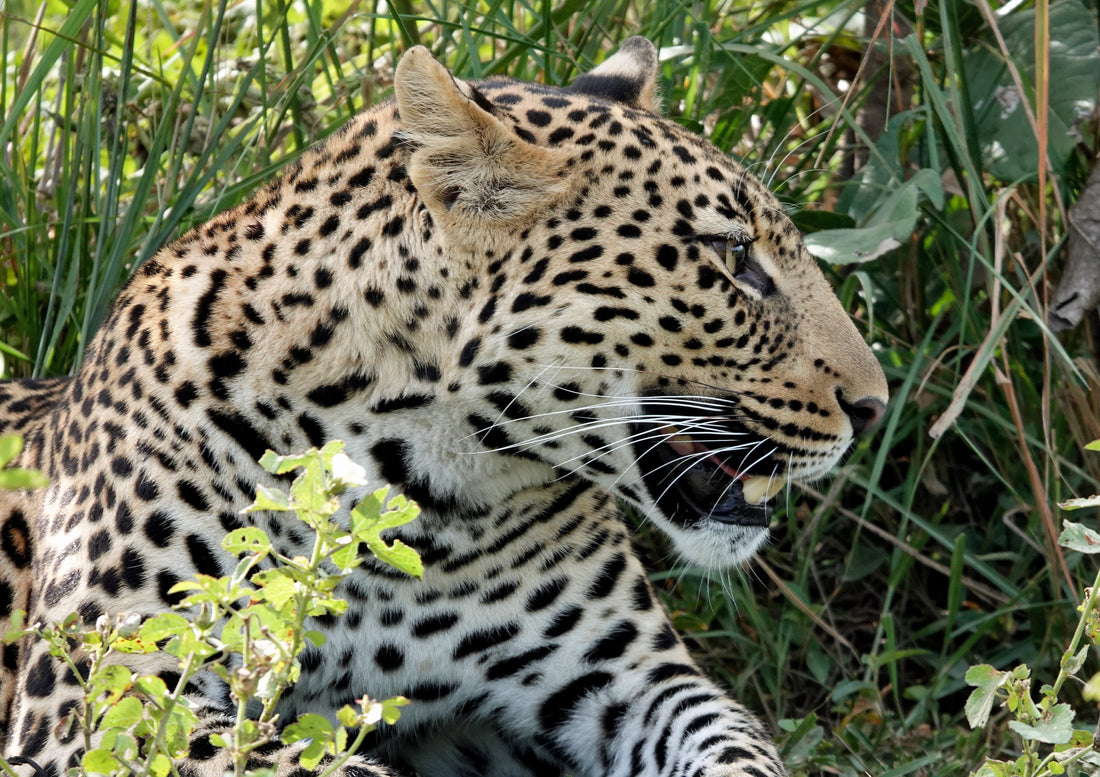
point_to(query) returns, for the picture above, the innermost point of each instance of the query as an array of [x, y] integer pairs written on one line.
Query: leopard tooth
[[757, 489]]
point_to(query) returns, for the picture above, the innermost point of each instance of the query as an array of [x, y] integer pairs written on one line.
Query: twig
[[981, 589], [793, 597]]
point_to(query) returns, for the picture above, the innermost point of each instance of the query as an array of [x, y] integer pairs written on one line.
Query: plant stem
[[1087, 606], [339, 761], [159, 743]]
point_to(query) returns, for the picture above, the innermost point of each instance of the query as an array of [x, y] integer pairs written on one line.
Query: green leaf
[[161, 765], [1071, 664], [391, 709], [887, 226], [848, 246], [1091, 691], [16, 478], [310, 492], [314, 727], [995, 769], [398, 555], [163, 626], [1055, 727], [126, 713], [1080, 538], [1008, 141], [11, 445], [1077, 503], [1093, 446], [152, 686], [986, 680], [277, 586], [268, 499], [347, 556], [347, 716], [250, 539], [111, 681], [100, 762]]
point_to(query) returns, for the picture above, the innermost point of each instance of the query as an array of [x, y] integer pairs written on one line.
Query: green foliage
[[11, 445], [934, 548], [256, 614], [1049, 721]]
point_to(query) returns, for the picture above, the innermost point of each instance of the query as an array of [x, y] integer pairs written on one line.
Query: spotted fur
[[521, 305]]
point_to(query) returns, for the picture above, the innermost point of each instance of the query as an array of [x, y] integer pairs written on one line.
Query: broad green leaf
[[164, 625], [1008, 141], [391, 708], [16, 632], [1091, 691], [368, 519], [1093, 446], [314, 727], [112, 681], [100, 762], [152, 686], [887, 226], [1056, 727], [11, 479], [11, 445], [133, 645], [1072, 664], [398, 555], [849, 246], [126, 713], [280, 465], [986, 680], [347, 557], [277, 586], [1077, 503], [310, 492], [250, 539], [347, 716], [995, 769], [1077, 537], [268, 499], [161, 766]]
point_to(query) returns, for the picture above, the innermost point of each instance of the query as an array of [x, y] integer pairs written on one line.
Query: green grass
[[123, 126]]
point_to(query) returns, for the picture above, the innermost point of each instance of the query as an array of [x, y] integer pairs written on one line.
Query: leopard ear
[[468, 163], [629, 76]]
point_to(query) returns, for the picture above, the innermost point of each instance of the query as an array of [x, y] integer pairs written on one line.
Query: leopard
[[527, 307]]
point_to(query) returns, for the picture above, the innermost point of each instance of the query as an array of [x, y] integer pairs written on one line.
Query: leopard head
[[648, 317]]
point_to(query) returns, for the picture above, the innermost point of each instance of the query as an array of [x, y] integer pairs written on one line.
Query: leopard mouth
[[706, 468]]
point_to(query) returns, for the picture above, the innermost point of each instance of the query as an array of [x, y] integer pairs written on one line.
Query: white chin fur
[[717, 545]]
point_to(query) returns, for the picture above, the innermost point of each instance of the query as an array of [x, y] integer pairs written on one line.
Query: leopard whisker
[[692, 403], [588, 427], [639, 437]]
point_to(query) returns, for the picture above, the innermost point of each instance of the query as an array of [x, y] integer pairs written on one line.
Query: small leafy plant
[[249, 628], [1051, 743]]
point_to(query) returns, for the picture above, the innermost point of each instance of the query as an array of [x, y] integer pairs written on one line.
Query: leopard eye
[[736, 254], [733, 251]]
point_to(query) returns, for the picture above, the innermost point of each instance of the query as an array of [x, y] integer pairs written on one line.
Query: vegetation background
[[929, 148]]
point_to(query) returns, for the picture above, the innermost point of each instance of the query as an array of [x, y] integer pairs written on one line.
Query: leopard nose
[[863, 413]]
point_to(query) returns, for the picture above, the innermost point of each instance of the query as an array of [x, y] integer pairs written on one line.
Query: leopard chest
[[506, 596]]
